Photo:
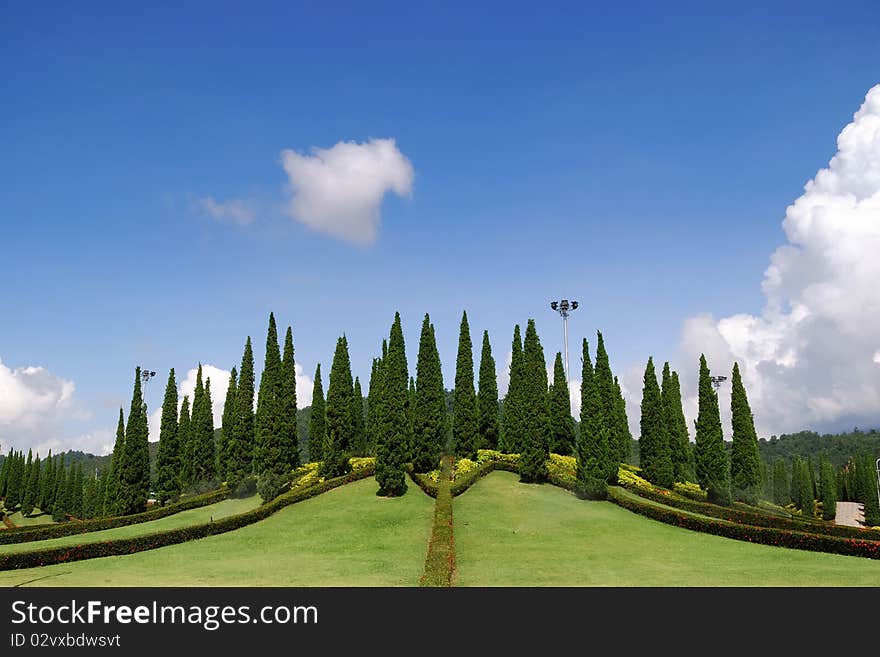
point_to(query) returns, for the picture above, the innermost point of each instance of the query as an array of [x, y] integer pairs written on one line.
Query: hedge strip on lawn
[[757, 519], [25, 534], [155, 540], [440, 560], [764, 535]]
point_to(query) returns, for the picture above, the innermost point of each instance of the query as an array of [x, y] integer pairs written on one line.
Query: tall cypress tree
[[394, 435], [46, 480], [359, 445], [134, 477], [869, 497], [337, 442], [76, 495], [240, 444], [267, 425], [185, 474], [111, 486], [806, 502], [201, 433], [372, 406], [605, 383], [536, 424], [781, 492], [60, 503], [676, 426], [654, 454], [227, 422], [624, 436], [513, 435], [288, 441], [713, 472], [168, 452], [32, 489], [317, 420], [828, 485], [561, 421], [429, 406], [745, 460], [594, 462], [487, 398], [464, 405]]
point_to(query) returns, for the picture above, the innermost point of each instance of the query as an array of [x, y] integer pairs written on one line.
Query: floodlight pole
[[564, 308]]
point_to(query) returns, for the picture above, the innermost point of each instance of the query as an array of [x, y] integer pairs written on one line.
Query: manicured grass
[[36, 518], [512, 534], [345, 537], [191, 517]]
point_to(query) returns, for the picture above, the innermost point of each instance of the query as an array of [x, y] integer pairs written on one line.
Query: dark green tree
[[288, 442], [359, 444], [32, 490], [111, 486], [623, 432], [47, 479], [372, 405], [465, 430], [134, 476], [828, 484], [806, 501], [89, 498], [185, 445], [393, 428], [240, 446], [654, 453], [713, 471], [168, 452], [594, 462], [317, 420], [340, 429], [745, 460], [676, 425], [487, 398], [267, 421], [781, 492], [76, 493], [513, 434], [869, 495], [536, 419], [429, 407], [605, 383], [227, 422], [561, 421], [201, 432]]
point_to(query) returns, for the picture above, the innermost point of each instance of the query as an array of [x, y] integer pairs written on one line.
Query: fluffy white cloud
[[236, 211], [810, 358], [339, 190]]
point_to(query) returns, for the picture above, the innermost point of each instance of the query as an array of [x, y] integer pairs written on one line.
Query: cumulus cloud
[[236, 211], [339, 190], [810, 358]]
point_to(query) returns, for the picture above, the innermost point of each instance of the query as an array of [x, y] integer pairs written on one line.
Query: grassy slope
[[181, 519], [345, 537], [37, 518], [508, 533]]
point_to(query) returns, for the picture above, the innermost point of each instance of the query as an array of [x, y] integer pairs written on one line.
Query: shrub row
[[463, 482], [25, 534], [765, 535], [424, 482], [757, 519], [50, 556], [440, 560]]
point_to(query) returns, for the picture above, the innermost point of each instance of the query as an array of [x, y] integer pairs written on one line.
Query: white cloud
[[339, 190], [236, 211], [808, 358]]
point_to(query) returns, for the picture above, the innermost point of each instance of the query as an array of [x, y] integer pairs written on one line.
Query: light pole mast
[[564, 308]]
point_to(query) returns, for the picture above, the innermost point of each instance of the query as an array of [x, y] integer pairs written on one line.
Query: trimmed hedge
[[440, 560], [424, 482], [26, 534], [50, 556], [764, 535], [757, 519]]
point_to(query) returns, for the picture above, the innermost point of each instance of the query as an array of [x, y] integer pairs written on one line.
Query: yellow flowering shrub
[[631, 468], [463, 466], [484, 455], [689, 489], [305, 475], [361, 462], [629, 479]]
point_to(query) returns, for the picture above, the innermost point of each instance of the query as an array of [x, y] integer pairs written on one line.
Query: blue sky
[[639, 158]]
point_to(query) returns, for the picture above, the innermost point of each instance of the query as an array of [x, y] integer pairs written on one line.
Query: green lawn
[[345, 537], [181, 519], [36, 518], [512, 534]]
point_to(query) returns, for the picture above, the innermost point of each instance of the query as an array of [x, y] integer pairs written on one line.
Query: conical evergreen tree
[[340, 391], [76, 495], [46, 480], [267, 421], [713, 472], [796, 485], [828, 484], [594, 462], [60, 503], [513, 434], [288, 441], [806, 502], [487, 398], [206, 454], [745, 460], [654, 453], [372, 405], [605, 383], [32, 490], [869, 497], [676, 425], [134, 479], [111, 486], [89, 499], [317, 420], [168, 452], [561, 421], [186, 474], [227, 422], [781, 492], [240, 446], [394, 436], [812, 472], [359, 445], [536, 425], [464, 405], [623, 433], [429, 406]]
